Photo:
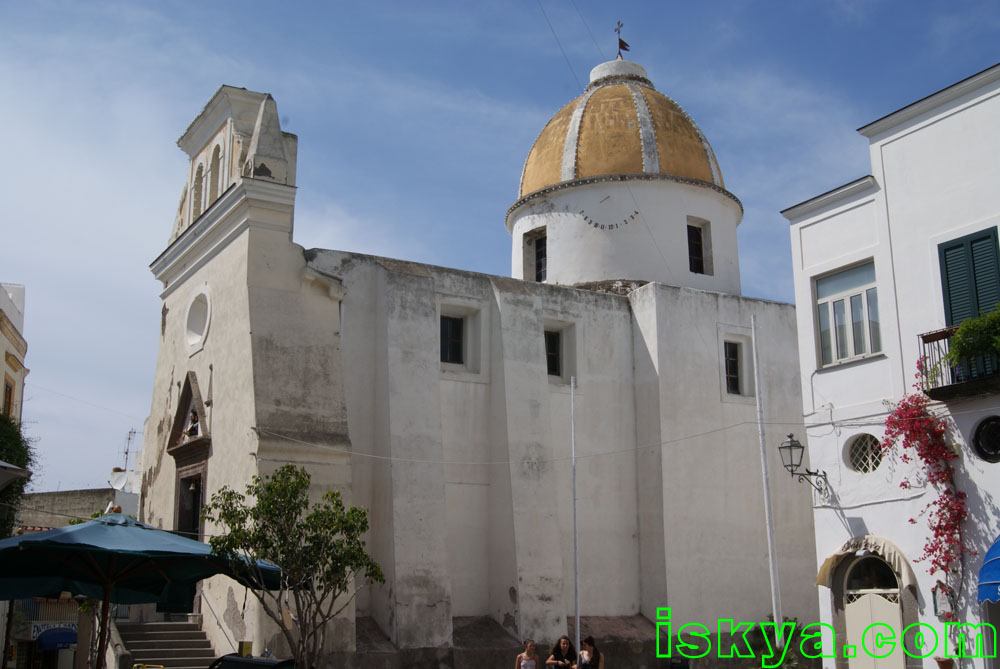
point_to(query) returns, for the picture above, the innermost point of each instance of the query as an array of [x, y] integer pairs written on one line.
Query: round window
[[864, 453], [986, 441], [199, 313]]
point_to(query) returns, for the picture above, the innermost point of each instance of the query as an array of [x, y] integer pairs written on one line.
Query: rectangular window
[[847, 314], [541, 258], [696, 250], [732, 353], [8, 397], [553, 358], [699, 238], [452, 340]]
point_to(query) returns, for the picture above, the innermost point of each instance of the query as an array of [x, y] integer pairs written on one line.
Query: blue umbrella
[[115, 559], [989, 575]]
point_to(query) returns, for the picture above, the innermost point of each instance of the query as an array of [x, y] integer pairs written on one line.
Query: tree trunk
[[102, 646]]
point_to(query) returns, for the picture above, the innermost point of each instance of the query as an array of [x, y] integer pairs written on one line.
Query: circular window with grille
[[864, 453], [987, 439]]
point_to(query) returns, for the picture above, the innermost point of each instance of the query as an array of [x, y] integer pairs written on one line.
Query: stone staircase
[[174, 645]]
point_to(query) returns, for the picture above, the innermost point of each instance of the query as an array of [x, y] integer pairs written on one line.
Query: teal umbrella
[[115, 559]]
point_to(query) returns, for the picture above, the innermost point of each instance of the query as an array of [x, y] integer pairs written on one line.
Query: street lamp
[[791, 457]]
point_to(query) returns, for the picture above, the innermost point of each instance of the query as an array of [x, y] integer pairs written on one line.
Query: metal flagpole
[[576, 554], [772, 555]]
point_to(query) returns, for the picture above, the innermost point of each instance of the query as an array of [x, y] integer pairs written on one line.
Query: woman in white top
[[529, 658]]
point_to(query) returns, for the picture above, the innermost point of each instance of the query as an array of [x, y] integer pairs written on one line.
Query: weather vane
[[622, 44]]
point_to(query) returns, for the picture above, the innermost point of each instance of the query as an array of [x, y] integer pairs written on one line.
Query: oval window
[[198, 316]]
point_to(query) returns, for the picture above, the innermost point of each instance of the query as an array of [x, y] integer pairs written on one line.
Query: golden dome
[[620, 125]]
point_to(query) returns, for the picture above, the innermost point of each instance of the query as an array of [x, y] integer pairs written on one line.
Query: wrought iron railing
[[938, 373]]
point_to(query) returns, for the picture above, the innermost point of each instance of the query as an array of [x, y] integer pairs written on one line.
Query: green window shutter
[[970, 275], [956, 282], [985, 271]]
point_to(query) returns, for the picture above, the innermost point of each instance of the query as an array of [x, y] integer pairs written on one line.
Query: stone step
[[159, 636], [151, 655], [175, 662], [172, 645], [135, 645], [124, 627]]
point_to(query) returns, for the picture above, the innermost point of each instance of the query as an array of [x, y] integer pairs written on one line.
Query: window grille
[[552, 353], [452, 339], [732, 352], [865, 454], [889, 596], [696, 250], [541, 259]]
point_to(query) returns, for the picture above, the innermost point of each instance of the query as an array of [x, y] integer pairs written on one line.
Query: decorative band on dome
[[647, 133], [573, 136], [713, 164]]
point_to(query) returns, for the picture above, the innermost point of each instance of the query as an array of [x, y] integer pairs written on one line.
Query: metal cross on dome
[[622, 44]]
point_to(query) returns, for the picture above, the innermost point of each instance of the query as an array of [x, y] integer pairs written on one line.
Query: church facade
[[443, 400]]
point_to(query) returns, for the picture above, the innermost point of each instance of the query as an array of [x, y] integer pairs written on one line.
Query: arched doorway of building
[[872, 595]]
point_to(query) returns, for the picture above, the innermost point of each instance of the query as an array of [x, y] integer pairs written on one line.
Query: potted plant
[[977, 336]]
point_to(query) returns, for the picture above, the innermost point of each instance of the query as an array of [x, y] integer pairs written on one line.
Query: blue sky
[[414, 120]]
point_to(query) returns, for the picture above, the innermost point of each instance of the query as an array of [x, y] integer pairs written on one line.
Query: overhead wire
[[33, 386], [587, 26], [559, 44]]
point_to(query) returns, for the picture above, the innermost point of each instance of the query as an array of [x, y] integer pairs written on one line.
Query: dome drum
[[633, 230]]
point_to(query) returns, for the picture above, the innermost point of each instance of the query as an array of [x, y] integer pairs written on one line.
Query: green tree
[[319, 550], [15, 449]]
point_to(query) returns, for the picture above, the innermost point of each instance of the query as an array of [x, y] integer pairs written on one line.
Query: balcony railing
[[943, 380]]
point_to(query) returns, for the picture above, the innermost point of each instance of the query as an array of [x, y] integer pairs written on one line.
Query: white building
[[15, 348], [440, 399], [882, 266]]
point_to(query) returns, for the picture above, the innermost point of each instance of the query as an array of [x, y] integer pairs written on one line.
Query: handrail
[[938, 335], [942, 375], [204, 600], [117, 650]]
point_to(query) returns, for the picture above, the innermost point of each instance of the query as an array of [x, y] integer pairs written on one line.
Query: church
[[446, 402]]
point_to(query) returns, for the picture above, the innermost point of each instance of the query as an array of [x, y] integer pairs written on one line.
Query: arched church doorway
[[872, 595]]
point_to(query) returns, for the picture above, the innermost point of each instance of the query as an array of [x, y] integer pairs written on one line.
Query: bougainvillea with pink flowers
[[922, 436]]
